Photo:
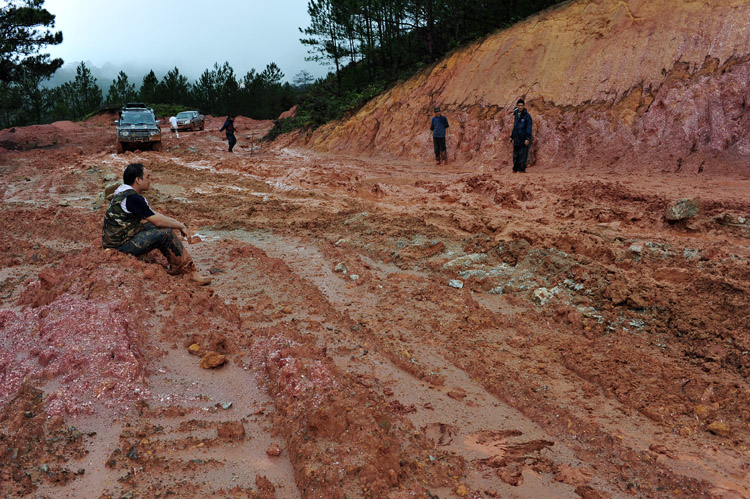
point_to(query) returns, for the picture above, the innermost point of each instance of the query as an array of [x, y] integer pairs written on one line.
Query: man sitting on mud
[[131, 226]]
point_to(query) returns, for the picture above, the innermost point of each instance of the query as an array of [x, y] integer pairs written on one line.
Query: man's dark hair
[[132, 172], [520, 101]]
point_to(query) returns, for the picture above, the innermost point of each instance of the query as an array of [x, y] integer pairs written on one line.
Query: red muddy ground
[[390, 328]]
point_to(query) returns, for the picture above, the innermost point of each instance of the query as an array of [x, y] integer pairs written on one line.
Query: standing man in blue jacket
[[229, 127], [521, 136], [438, 126]]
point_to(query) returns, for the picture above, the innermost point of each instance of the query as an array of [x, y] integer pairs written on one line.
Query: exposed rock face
[[620, 83]]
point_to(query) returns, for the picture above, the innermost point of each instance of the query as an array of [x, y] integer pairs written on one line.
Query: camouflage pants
[[166, 241]]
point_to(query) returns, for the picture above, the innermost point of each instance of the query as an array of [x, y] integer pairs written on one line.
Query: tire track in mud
[[459, 413], [323, 277]]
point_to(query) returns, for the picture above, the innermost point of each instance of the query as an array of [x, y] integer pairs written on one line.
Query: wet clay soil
[[388, 328]]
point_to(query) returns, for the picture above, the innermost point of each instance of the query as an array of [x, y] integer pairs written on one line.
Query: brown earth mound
[[624, 85]]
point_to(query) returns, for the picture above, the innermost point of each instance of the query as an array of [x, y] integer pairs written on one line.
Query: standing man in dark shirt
[[438, 126], [229, 127], [521, 136], [131, 226]]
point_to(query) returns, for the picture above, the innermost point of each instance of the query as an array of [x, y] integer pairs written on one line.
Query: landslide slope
[[609, 83]]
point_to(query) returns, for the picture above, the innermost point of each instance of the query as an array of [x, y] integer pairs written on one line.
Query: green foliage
[[24, 29], [121, 91], [147, 93], [166, 110], [370, 44], [374, 44], [87, 96], [173, 88]]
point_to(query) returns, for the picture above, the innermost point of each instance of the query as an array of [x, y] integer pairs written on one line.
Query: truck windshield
[[137, 117], [184, 115]]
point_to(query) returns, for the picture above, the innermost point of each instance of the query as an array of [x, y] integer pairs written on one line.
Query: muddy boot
[[197, 278], [182, 264]]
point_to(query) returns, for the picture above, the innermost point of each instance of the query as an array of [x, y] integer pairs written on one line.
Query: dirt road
[[390, 328]]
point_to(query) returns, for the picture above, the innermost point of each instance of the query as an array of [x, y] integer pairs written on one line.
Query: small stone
[[682, 209], [98, 200], [194, 349], [465, 261], [457, 394], [63, 202], [195, 239], [110, 188], [461, 491], [273, 450], [340, 267], [455, 283], [541, 296], [719, 428], [212, 360], [636, 248], [702, 411], [690, 253], [226, 405], [133, 452], [354, 277]]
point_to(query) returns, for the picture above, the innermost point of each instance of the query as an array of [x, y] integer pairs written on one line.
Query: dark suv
[[137, 128], [190, 120]]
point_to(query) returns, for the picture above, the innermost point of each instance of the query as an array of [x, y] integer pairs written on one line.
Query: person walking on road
[[132, 227], [229, 127], [521, 136], [439, 127], [173, 124]]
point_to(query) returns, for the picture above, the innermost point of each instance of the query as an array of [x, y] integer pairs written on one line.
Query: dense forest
[[369, 45]]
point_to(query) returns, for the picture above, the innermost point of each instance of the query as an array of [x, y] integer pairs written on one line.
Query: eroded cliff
[[622, 84]]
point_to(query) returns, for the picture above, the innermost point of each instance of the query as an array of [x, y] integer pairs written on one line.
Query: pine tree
[[24, 30], [121, 92], [147, 93], [87, 95]]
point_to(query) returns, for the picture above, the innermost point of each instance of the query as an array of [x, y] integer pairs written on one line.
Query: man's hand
[[185, 231], [526, 141]]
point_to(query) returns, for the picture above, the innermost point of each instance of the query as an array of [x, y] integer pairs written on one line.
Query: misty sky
[[191, 34]]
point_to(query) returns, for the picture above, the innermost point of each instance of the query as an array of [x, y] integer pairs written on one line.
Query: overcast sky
[[189, 34]]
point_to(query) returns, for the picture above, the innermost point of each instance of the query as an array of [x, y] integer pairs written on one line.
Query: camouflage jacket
[[119, 226]]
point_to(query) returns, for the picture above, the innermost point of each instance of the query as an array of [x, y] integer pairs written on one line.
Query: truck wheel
[[203, 125], [118, 147], [156, 147]]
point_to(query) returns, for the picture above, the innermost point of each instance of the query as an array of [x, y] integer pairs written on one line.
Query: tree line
[[218, 91], [371, 44], [390, 35], [26, 28]]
